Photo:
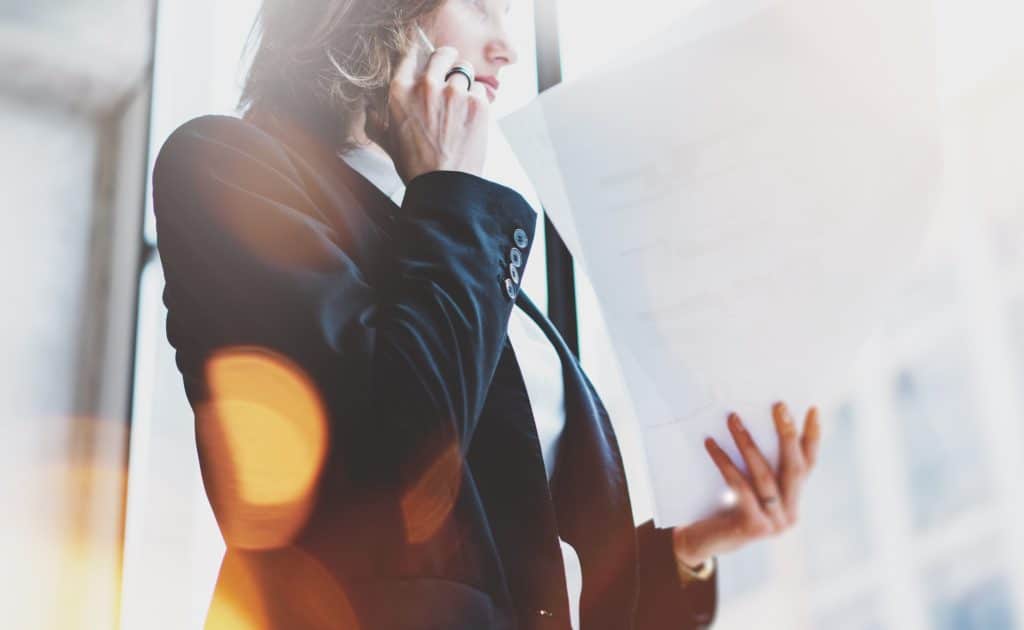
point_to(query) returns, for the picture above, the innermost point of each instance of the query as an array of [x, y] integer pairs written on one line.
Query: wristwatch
[[702, 572]]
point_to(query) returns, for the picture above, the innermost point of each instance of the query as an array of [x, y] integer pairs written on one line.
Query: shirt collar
[[378, 168]]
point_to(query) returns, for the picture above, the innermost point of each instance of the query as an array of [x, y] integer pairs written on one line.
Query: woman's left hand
[[767, 500]]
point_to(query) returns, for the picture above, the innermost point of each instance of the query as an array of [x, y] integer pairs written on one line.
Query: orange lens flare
[[61, 541], [303, 592], [427, 504], [263, 439]]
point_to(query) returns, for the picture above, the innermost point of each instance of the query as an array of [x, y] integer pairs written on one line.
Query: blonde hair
[[323, 63]]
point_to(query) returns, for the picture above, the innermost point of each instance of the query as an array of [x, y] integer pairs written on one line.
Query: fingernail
[[739, 424], [784, 424], [814, 426]]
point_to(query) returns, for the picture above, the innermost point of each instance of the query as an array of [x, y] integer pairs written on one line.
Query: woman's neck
[[358, 135]]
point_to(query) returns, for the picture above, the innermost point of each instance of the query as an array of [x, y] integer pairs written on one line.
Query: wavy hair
[[322, 63]]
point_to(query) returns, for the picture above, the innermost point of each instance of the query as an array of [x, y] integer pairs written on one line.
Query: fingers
[[750, 519], [439, 64], [460, 79], [792, 467], [761, 473], [479, 92], [429, 85], [732, 475], [405, 73], [479, 103], [811, 438], [434, 121]]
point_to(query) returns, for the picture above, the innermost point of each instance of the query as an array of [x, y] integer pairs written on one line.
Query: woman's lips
[[491, 84]]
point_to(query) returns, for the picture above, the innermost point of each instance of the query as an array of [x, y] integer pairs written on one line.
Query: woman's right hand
[[435, 125]]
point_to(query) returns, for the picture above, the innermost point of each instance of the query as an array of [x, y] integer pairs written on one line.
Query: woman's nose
[[502, 51]]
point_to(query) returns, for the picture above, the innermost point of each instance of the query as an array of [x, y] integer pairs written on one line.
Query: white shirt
[[537, 357]]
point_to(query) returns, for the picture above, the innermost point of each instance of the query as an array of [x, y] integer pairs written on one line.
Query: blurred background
[[915, 519]]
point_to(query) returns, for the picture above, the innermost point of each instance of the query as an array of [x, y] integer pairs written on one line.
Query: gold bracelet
[[702, 573]]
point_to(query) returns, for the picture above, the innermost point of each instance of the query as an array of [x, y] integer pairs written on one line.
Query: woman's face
[[478, 30]]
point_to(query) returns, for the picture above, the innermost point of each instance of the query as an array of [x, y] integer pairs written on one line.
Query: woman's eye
[[480, 5]]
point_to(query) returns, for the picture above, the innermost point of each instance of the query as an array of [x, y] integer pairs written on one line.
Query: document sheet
[[744, 196]]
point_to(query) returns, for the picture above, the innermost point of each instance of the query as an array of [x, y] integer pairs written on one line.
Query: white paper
[[744, 203]]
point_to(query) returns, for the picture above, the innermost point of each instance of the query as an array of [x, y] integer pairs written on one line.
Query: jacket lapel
[[589, 490]]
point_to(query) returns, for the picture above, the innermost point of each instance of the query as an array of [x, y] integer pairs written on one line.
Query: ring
[[766, 501], [464, 70]]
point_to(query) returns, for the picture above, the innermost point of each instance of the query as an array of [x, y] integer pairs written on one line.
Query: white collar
[[377, 167]]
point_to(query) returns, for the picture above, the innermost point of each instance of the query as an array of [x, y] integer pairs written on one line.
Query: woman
[[391, 434]]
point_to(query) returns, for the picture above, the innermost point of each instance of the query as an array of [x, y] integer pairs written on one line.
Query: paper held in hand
[[744, 198]]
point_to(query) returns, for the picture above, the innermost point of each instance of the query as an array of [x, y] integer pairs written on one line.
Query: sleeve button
[[511, 288], [545, 613], [516, 257], [513, 272], [520, 237]]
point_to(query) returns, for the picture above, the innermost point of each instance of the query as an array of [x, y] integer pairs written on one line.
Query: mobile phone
[[425, 39]]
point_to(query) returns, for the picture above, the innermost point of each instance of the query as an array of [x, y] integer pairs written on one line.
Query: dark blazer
[[399, 318]]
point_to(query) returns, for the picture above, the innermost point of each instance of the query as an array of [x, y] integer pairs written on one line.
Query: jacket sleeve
[[664, 602], [253, 257]]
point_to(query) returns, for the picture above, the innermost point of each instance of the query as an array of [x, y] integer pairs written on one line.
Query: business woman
[[391, 434]]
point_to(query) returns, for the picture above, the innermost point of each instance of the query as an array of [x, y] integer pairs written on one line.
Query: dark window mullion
[[561, 280]]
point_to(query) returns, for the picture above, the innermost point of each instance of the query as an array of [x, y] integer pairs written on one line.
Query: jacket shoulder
[[217, 136], [215, 158]]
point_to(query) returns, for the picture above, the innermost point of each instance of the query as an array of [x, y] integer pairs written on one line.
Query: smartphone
[[425, 39]]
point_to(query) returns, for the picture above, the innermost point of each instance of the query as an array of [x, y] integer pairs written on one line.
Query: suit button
[[516, 257], [520, 237], [545, 613], [511, 288], [513, 271]]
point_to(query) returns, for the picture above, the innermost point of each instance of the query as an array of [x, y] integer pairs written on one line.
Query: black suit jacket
[[433, 509]]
